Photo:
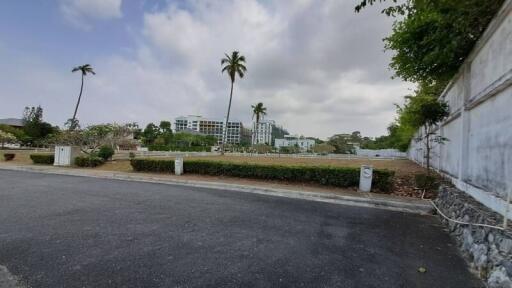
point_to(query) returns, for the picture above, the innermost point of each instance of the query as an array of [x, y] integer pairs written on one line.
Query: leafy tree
[[6, 138], [233, 65], [150, 133], [434, 37], [166, 131], [84, 69], [16, 132], [34, 127], [427, 112], [323, 148], [342, 143]]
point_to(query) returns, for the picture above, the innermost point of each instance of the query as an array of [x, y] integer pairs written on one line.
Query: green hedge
[[47, 159], [332, 176], [88, 161], [152, 165], [156, 147]]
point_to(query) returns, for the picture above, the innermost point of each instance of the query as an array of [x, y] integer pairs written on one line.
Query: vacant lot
[[404, 169]]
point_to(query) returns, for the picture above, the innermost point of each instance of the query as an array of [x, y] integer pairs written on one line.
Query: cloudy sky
[[318, 67]]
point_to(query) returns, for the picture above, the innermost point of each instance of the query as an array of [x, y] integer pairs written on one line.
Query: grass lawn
[[22, 156]]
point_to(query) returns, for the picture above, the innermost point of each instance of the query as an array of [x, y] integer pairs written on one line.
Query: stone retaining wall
[[488, 250]]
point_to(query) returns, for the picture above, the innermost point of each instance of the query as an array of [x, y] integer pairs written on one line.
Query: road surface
[[66, 231]]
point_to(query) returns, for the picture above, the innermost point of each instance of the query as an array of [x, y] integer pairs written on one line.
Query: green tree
[[150, 133], [233, 65], [34, 127], [84, 69], [341, 143], [258, 111], [434, 37], [6, 138], [323, 148]]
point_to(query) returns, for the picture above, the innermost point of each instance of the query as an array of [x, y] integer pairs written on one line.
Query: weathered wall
[[478, 155]]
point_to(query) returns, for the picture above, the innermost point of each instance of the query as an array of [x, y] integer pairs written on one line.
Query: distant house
[[13, 122]]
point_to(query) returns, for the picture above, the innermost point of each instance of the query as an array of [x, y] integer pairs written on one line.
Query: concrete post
[[178, 166], [365, 178]]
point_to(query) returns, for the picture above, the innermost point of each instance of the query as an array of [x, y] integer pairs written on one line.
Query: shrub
[[152, 165], [332, 176], [47, 159], [88, 161], [9, 156], [105, 152], [426, 182]]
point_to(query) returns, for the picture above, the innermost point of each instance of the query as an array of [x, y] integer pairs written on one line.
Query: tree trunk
[[427, 146], [225, 136], [77, 104]]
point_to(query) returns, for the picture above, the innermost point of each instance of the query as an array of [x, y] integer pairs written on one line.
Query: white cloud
[[318, 67], [80, 13]]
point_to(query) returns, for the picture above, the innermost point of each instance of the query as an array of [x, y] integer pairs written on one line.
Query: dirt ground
[[404, 178], [405, 170]]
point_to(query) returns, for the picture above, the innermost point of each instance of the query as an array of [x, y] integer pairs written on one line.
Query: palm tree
[[259, 111], [233, 65], [85, 69]]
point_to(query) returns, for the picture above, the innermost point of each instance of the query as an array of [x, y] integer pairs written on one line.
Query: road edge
[[402, 205]]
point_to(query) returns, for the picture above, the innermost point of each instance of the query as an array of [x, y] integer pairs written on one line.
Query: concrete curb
[[416, 206]]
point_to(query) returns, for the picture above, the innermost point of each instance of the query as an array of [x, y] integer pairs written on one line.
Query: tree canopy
[[434, 37]]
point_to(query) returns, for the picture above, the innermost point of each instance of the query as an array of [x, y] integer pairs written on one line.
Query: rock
[[507, 264], [480, 255], [505, 245], [499, 279]]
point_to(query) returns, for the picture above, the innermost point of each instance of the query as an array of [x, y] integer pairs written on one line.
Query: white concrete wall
[[380, 153], [478, 155]]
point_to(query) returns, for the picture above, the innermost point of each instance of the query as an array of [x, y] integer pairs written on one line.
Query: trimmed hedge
[[332, 176], [9, 156], [156, 147], [88, 161], [152, 165], [46, 159]]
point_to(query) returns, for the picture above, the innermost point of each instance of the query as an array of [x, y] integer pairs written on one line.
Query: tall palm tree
[[233, 65], [258, 111], [85, 69]]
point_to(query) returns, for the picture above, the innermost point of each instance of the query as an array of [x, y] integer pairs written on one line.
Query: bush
[[152, 165], [426, 182], [105, 152], [332, 176], [88, 161], [9, 156], [47, 159]]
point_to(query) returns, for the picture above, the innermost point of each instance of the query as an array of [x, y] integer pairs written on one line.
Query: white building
[[209, 126], [302, 143], [266, 131]]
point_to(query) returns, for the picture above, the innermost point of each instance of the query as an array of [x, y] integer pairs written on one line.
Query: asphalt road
[[64, 231]]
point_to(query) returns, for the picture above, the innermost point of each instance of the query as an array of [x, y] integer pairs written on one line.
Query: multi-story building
[[266, 131], [209, 126], [304, 144]]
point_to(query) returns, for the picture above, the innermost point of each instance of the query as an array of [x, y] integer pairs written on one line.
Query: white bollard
[[365, 178], [178, 166]]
